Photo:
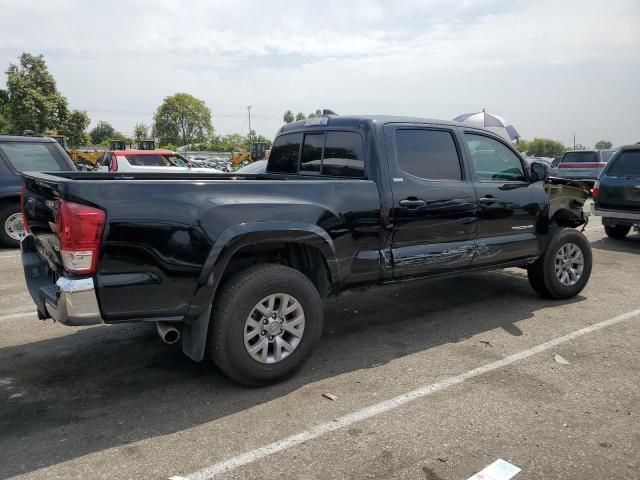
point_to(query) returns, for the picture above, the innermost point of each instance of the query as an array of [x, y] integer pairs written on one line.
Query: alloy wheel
[[274, 328]]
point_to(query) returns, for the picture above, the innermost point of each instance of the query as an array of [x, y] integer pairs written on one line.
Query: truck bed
[[163, 231]]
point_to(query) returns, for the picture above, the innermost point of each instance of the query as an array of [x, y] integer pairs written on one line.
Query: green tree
[[604, 144], [140, 132], [288, 116], [182, 119], [5, 124], [522, 145], [544, 147], [101, 132], [34, 101], [262, 139], [75, 128], [300, 116], [234, 142]]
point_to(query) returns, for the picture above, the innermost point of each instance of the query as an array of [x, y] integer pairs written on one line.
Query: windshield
[[627, 164], [580, 157], [36, 157], [157, 160]]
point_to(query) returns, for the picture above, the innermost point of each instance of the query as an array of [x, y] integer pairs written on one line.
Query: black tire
[[617, 231], [5, 212], [235, 302], [542, 274]]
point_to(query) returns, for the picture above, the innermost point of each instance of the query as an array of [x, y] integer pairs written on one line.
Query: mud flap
[[194, 336]]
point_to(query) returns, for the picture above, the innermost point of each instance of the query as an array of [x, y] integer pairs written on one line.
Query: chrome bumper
[[76, 302], [70, 300], [615, 214]]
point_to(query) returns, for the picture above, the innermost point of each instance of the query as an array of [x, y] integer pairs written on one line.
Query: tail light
[[80, 230], [24, 217], [595, 192]]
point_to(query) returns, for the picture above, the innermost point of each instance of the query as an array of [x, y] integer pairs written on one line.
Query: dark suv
[[23, 153], [616, 194]]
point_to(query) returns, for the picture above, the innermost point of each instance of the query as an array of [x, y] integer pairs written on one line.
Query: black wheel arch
[[304, 247]]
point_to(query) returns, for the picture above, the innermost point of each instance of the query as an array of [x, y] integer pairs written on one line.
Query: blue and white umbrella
[[491, 122]]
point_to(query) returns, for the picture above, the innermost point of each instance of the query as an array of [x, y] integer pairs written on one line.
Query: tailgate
[[40, 205], [619, 193], [65, 294], [620, 183]]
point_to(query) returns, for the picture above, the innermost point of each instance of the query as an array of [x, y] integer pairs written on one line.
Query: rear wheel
[[564, 268], [11, 225], [617, 231], [266, 321]]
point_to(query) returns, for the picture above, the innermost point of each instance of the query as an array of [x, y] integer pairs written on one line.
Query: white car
[[148, 161]]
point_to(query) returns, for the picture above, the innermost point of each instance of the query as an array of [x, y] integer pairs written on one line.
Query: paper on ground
[[498, 470]]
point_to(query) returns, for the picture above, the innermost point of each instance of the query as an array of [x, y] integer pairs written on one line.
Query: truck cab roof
[[26, 138], [354, 121]]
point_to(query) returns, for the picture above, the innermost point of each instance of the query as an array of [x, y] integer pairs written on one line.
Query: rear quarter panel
[[159, 235]]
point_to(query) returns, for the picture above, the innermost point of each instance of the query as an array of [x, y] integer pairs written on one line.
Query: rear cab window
[[285, 154], [37, 157], [580, 157], [328, 154], [625, 164]]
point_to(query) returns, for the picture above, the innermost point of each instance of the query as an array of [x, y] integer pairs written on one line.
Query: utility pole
[[574, 139], [249, 110]]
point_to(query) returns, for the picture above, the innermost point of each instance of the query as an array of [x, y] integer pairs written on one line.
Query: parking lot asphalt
[[113, 402]]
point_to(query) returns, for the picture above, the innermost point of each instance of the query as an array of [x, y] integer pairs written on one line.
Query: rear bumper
[[630, 217], [76, 302], [70, 300]]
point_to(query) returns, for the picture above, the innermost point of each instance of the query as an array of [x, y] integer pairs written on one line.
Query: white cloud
[[546, 65]]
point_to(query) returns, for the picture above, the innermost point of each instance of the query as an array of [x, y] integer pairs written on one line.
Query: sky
[[552, 68]]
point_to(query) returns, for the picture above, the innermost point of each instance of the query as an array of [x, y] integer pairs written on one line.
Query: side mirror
[[539, 172]]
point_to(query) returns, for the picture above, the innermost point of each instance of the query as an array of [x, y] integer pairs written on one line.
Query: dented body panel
[[566, 202]]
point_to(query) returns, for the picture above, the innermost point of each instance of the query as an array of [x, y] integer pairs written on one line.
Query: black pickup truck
[[238, 264]]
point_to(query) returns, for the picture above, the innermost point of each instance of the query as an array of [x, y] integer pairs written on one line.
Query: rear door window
[[285, 154], [428, 154], [626, 164], [36, 157], [492, 161]]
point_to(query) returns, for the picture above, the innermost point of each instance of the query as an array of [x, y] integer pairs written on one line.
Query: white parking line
[[10, 256], [17, 315], [391, 404]]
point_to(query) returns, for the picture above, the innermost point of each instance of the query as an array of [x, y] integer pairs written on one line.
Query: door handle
[[488, 199], [412, 203]]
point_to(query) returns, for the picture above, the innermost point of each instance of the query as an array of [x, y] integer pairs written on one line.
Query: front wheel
[[11, 225], [266, 321], [617, 231], [565, 267]]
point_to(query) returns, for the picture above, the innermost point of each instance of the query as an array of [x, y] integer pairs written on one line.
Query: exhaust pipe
[[168, 333]]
